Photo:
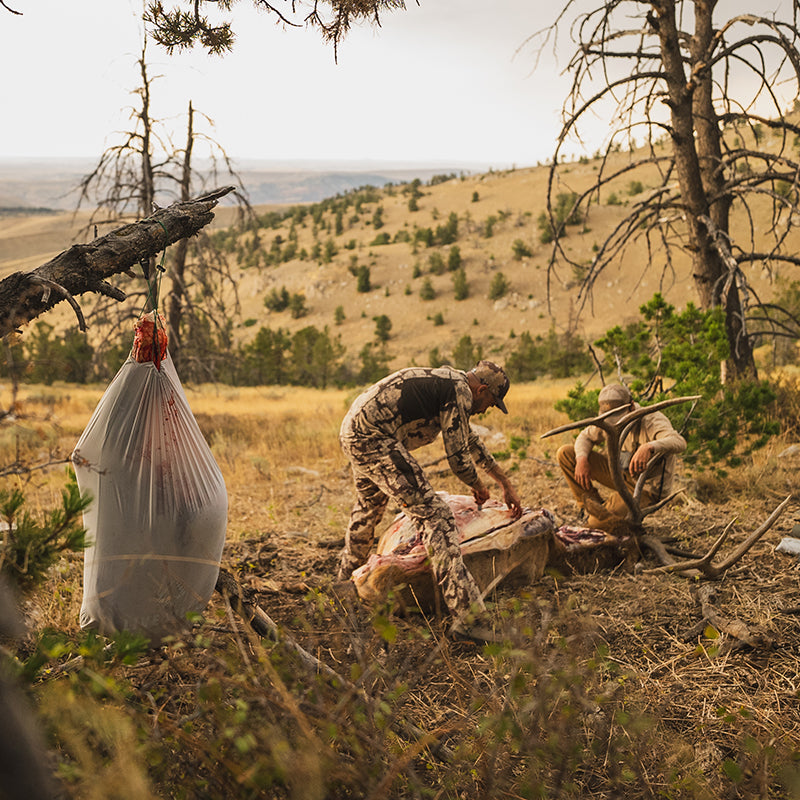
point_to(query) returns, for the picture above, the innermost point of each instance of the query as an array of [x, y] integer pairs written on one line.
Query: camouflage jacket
[[413, 406]]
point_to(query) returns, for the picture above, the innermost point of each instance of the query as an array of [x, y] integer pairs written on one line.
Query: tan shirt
[[656, 429]]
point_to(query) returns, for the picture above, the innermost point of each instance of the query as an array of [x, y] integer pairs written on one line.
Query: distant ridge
[[51, 182]]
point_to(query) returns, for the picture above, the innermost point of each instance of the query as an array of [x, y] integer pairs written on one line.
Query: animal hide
[[496, 549]]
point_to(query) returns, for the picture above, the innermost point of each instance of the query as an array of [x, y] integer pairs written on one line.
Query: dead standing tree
[[134, 176], [677, 72]]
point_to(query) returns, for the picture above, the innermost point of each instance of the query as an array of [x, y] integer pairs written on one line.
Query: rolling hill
[[496, 234]]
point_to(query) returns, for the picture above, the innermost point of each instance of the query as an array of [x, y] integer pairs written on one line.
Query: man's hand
[[641, 458], [583, 473], [480, 493], [512, 500]]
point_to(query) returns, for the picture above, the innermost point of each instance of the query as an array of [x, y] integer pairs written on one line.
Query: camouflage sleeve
[[456, 435], [482, 457]]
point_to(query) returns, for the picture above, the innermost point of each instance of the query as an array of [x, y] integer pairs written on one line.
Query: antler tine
[[632, 416], [705, 564], [581, 423], [754, 536], [691, 567], [660, 504]]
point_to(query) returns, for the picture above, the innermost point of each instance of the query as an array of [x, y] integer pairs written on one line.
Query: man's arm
[[662, 439], [584, 443], [487, 462], [510, 495]]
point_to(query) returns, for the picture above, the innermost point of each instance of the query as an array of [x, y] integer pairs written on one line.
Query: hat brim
[[500, 403]]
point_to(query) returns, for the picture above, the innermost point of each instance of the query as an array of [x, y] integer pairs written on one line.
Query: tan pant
[[600, 473]]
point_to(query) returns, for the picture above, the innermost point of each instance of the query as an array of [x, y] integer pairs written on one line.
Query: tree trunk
[[177, 272], [697, 160], [148, 194]]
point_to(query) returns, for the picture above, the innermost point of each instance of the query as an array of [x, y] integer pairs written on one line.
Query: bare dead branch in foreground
[[85, 267]]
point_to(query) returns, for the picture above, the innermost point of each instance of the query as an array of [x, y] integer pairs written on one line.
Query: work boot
[[477, 631], [595, 508]]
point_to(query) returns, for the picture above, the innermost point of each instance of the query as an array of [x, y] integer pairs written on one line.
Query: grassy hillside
[[493, 211]]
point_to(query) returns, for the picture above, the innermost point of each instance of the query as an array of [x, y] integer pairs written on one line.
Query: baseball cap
[[493, 376], [615, 394]]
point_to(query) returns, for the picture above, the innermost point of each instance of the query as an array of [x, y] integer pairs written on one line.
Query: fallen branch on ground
[[263, 625]]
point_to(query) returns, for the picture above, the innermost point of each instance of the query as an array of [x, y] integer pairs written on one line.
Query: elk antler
[[616, 432], [704, 565]]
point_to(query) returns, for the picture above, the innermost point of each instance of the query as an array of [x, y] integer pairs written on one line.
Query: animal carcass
[[496, 548]]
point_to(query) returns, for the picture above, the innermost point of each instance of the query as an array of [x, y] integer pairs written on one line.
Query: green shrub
[[363, 281], [679, 354], [520, 250], [635, 187], [498, 287], [453, 258], [29, 547], [383, 326], [436, 263], [382, 238], [277, 299], [460, 285]]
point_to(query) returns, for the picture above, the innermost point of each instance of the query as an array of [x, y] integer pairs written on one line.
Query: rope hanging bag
[[157, 523]]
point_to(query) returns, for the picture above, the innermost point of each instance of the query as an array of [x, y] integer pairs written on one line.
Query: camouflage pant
[[383, 468]]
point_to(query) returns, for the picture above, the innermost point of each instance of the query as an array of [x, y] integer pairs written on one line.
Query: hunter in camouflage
[[402, 412]]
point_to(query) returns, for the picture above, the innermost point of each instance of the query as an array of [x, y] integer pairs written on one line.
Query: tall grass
[[595, 694]]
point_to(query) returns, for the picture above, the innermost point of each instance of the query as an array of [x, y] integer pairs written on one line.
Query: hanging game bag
[[157, 523]]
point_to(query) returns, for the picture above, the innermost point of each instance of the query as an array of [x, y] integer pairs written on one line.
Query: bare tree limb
[[85, 267]]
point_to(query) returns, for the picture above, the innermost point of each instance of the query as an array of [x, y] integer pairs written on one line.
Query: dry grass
[[612, 661]]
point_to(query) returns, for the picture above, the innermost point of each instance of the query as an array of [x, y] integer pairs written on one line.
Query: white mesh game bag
[[157, 524]]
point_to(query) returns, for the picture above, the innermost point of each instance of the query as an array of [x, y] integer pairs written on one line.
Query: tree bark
[[698, 160], [86, 267]]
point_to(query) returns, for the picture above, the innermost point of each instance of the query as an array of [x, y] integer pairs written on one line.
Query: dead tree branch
[[263, 625], [85, 267]]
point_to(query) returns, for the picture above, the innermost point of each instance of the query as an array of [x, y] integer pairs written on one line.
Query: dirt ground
[[715, 663]]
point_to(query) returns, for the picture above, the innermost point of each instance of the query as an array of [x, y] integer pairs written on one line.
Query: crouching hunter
[[398, 414], [581, 464]]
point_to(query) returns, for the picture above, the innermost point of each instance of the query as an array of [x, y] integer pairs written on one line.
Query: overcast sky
[[444, 81]]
